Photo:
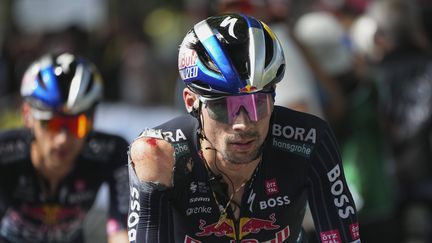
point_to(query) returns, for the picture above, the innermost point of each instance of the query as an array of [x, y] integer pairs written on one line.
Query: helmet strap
[[196, 112]]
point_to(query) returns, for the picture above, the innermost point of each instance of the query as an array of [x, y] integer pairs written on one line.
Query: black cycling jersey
[[300, 164], [27, 214]]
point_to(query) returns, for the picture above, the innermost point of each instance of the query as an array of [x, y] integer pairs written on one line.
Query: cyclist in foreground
[[51, 171], [237, 168]]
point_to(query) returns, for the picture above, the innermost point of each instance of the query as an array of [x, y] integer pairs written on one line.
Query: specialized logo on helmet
[[64, 61], [248, 89], [231, 22]]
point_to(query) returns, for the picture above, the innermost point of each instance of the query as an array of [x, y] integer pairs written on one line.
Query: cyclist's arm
[[4, 192], [3, 204], [150, 176], [119, 198], [118, 237], [330, 201]]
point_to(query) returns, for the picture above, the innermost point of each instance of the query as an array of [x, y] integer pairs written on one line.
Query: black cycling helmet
[[230, 54], [63, 84]]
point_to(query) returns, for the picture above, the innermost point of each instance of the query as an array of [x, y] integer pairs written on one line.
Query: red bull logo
[[51, 214], [226, 228], [254, 225], [247, 226], [248, 89], [187, 58]]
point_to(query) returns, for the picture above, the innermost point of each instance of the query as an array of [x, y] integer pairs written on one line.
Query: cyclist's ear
[[191, 100], [26, 115]]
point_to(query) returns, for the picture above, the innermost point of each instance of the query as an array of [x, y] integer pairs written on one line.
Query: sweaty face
[[240, 140], [56, 144]]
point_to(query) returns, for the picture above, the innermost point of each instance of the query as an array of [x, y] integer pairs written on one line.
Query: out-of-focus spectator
[[366, 148], [403, 72], [3, 82], [357, 130], [426, 17], [53, 15], [325, 37], [298, 90], [50, 26], [327, 44], [139, 70]]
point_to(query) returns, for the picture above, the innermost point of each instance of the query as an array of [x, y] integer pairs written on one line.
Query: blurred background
[[362, 65]]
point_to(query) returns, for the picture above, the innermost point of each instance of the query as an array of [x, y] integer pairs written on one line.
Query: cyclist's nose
[[241, 121], [62, 136]]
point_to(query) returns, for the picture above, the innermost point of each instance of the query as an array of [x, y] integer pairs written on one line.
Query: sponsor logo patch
[[200, 187], [187, 58], [180, 149], [247, 226], [301, 149], [187, 64], [331, 236], [274, 202], [12, 150], [198, 210], [176, 136], [341, 200], [354, 230], [199, 199], [271, 187], [295, 133]]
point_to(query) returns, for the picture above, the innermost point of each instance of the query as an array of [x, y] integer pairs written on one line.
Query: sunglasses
[[79, 125], [226, 109]]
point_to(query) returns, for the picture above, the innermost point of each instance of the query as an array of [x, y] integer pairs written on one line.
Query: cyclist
[[51, 170], [237, 168]]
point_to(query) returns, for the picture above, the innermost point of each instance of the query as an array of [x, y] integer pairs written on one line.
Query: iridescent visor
[[78, 126], [226, 109]]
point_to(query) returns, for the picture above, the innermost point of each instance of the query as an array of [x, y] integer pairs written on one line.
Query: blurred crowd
[[362, 65]]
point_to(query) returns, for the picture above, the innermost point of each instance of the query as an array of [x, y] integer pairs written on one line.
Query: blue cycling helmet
[[230, 54], [62, 84]]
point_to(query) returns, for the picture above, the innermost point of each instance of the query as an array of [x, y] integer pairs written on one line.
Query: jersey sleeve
[[330, 200], [4, 199], [14, 154], [118, 189], [149, 217]]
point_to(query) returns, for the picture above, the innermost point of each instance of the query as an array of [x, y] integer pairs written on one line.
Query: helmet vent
[[40, 80], [90, 85], [239, 59], [280, 71], [269, 48], [204, 57]]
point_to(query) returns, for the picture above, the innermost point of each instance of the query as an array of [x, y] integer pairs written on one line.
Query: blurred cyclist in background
[[237, 168], [51, 170]]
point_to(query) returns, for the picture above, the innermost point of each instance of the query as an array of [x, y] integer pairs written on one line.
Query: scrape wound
[[152, 142]]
